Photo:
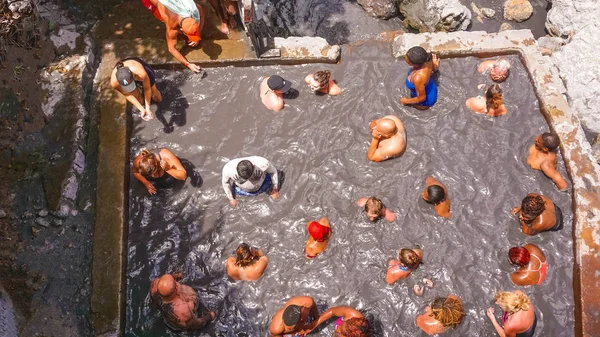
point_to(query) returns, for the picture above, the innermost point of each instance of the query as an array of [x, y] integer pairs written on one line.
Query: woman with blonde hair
[[491, 104], [158, 169], [518, 316], [321, 82], [443, 313]]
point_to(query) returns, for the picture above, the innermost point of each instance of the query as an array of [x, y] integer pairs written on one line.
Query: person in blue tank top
[[423, 89]]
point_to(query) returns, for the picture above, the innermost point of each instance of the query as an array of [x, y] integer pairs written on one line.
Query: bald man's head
[[387, 127], [166, 285]]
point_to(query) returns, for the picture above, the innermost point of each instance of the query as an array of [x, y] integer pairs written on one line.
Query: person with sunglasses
[[249, 176]]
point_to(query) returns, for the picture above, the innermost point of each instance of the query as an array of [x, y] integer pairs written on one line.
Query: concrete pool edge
[[584, 173]]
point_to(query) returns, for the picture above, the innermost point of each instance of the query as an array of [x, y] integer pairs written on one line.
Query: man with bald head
[[178, 303], [388, 138]]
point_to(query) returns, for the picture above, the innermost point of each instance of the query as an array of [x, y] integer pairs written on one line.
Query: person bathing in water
[[518, 315], [538, 214], [532, 265], [321, 82], [542, 156], [350, 322], [248, 264], [388, 138], [491, 104], [436, 193], [249, 176], [158, 169], [319, 235], [293, 320], [272, 89], [498, 69], [178, 303], [442, 314], [423, 89], [133, 78], [408, 261], [375, 209], [179, 16]]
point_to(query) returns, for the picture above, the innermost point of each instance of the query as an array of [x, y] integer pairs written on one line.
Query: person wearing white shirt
[[249, 176]]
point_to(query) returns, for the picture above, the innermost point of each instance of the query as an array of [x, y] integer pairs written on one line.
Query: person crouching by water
[[375, 209], [518, 316], [492, 103], [388, 138], [538, 214], [498, 69], [319, 234], [408, 261], [350, 322], [532, 265], [178, 303], [272, 89], [248, 264], [321, 82], [131, 77], [423, 89], [442, 314], [436, 193], [249, 176], [293, 320], [542, 156], [158, 169]]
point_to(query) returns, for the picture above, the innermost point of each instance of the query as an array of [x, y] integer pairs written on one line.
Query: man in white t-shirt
[[249, 176]]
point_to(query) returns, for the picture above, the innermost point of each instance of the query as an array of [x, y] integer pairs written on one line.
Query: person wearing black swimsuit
[[518, 317], [159, 169]]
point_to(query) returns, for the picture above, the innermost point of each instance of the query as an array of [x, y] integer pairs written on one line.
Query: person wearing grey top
[[249, 176]]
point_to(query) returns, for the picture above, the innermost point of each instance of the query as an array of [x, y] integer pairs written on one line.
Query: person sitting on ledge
[[183, 16], [321, 82], [532, 265], [388, 138], [249, 176], [272, 89], [492, 103], [350, 322], [178, 303], [132, 77], [436, 193], [248, 264], [542, 156], [518, 316], [159, 169], [442, 314], [498, 69], [293, 320], [375, 209], [538, 214], [408, 261], [423, 89], [319, 235]]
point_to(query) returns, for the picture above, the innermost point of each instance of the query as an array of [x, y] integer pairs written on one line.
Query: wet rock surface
[[568, 17], [518, 10], [383, 9], [435, 15]]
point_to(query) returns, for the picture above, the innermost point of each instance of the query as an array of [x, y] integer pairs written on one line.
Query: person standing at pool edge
[[249, 176], [272, 89], [388, 138], [132, 75], [423, 89], [542, 157], [294, 318]]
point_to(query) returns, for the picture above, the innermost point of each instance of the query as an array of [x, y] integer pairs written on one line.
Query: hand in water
[[490, 313], [151, 189], [436, 61], [515, 210], [404, 100], [233, 202], [194, 68], [146, 114], [275, 194]]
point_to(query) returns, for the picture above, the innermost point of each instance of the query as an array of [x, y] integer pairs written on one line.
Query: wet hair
[[244, 256], [448, 311], [374, 205], [356, 327], [291, 315], [519, 256], [418, 55], [322, 77], [512, 302], [533, 205], [435, 194], [550, 140], [245, 169], [493, 96], [119, 65], [148, 164], [409, 258]]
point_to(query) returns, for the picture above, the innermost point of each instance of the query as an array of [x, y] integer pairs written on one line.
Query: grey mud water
[[320, 143]]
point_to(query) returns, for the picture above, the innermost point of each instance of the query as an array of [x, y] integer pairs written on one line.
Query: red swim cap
[[318, 231]]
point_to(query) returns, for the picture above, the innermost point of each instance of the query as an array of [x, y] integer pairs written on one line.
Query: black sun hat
[[278, 83]]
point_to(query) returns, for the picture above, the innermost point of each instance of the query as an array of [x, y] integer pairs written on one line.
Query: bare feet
[[418, 290], [224, 28], [428, 282]]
